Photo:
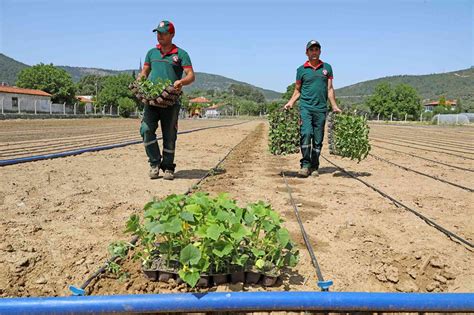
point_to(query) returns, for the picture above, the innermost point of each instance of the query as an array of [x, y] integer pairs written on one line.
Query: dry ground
[[58, 216]]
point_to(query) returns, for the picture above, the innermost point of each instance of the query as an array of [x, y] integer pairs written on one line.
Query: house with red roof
[[431, 105], [197, 104], [18, 100]]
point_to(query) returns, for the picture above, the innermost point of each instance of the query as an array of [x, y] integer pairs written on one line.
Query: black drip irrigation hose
[[443, 142], [420, 157], [418, 148], [99, 148], [425, 144], [421, 173], [81, 290], [324, 285], [397, 203]]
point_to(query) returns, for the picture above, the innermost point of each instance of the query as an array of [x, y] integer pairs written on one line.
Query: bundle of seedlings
[[161, 94], [284, 135], [205, 241], [348, 136]]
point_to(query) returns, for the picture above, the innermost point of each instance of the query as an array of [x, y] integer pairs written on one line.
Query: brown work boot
[[168, 175], [154, 172], [304, 172]]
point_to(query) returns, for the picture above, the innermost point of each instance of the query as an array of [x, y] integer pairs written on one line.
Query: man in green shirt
[[166, 62], [313, 87]]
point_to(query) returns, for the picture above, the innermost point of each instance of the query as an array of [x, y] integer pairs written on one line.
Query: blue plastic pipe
[[92, 149], [243, 301]]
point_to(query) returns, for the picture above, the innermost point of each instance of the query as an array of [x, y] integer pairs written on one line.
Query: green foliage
[[442, 101], [442, 110], [118, 250], [453, 85], [289, 92], [247, 92], [348, 136], [207, 235], [90, 84], [246, 107], [127, 106], [275, 105], [401, 100], [284, 134], [152, 90], [50, 79], [114, 88]]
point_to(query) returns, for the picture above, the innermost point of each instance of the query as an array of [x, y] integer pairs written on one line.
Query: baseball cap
[[165, 27], [312, 43]]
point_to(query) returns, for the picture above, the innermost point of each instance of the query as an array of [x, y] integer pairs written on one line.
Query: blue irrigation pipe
[[242, 301], [92, 149]]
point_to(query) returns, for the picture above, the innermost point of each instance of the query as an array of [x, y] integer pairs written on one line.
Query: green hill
[[453, 85], [9, 69]]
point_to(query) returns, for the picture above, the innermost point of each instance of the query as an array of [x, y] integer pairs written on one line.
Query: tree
[[126, 105], [441, 110], [90, 84], [381, 101], [247, 107], [50, 79], [442, 101], [247, 92], [114, 88], [400, 101], [407, 101]]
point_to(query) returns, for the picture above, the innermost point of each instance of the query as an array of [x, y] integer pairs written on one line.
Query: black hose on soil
[[397, 203], [324, 285]]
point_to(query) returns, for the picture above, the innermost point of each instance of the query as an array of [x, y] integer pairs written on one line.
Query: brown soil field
[[59, 215]]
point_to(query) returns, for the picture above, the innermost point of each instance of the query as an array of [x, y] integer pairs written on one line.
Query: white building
[[18, 100]]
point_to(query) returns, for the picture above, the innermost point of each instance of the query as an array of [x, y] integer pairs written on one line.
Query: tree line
[[113, 90], [398, 102]]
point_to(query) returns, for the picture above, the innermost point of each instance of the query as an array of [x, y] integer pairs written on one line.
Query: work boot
[[304, 172], [314, 172], [168, 175], [154, 172]]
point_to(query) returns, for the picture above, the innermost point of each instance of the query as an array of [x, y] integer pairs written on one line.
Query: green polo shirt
[[167, 66], [314, 85]]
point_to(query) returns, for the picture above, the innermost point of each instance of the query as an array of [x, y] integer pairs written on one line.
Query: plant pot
[[219, 279], [237, 274], [150, 274], [179, 280], [252, 277], [170, 89], [166, 273], [165, 276], [203, 282], [269, 280]]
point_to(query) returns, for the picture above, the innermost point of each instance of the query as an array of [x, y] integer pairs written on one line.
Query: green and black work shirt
[[314, 85], [169, 66]]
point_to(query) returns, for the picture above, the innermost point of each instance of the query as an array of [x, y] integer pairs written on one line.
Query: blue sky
[[259, 42]]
